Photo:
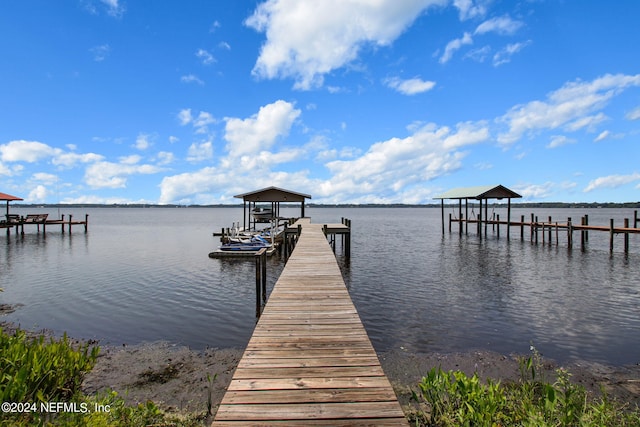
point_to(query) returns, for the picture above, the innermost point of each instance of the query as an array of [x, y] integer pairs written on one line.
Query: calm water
[[144, 275]]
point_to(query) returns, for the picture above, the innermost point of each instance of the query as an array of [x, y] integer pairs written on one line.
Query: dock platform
[[310, 360]]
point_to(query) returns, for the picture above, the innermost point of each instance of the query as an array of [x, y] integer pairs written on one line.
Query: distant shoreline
[[541, 205]]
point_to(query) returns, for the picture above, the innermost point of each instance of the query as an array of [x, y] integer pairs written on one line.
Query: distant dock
[[549, 231], [41, 221]]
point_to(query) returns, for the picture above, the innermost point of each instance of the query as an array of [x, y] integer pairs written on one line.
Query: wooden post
[[449, 223], [569, 233], [86, 222], [498, 225], [531, 226], [258, 282], [348, 248], [626, 236], [557, 240], [442, 214], [508, 217], [536, 230], [611, 235], [466, 216], [480, 219], [521, 227], [550, 230], [586, 232], [263, 261], [62, 223], [635, 219], [460, 216]]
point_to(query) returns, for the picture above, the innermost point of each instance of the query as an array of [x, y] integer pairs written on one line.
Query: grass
[[46, 375], [453, 398]]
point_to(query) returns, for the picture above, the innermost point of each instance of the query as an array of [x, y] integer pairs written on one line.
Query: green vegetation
[[40, 382], [454, 399]]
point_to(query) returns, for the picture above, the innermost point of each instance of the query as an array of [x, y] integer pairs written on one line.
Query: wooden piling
[[626, 236], [611, 235]]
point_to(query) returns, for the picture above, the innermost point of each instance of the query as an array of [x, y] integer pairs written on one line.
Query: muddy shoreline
[[179, 379], [176, 378]]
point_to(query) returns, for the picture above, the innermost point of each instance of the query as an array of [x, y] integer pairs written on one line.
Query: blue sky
[[350, 101]]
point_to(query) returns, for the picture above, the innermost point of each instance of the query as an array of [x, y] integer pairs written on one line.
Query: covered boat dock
[[269, 198], [480, 193]]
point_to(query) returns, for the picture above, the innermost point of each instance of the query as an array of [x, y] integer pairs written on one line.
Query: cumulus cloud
[[260, 131], [612, 181], [306, 40], [568, 107], [26, 151], [395, 164], [114, 175], [410, 86], [200, 151]]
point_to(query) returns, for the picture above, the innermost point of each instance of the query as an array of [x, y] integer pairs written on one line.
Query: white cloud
[[69, 160], [410, 86], [185, 117], [560, 140], [205, 57], [534, 191], [633, 114], [396, 164], [568, 107], [143, 141], [202, 122], [502, 25], [26, 151], [612, 181], [260, 131], [504, 55], [114, 175], [165, 157], [602, 136], [199, 152], [100, 52], [307, 39], [38, 194], [471, 9], [191, 78], [114, 8], [453, 46]]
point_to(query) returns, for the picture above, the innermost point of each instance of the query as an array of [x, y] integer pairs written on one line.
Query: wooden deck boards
[[309, 360]]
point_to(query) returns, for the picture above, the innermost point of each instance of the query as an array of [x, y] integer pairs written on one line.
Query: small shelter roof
[[9, 197], [480, 192], [273, 194]]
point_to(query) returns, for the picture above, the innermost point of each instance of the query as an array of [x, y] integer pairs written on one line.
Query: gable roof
[[273, 194], [480, 192]]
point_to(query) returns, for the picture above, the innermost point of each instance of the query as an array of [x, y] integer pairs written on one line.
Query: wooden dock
[[309, 360]]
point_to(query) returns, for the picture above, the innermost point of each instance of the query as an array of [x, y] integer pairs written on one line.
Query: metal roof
[[273, 194], [8, 197], [480, 192]]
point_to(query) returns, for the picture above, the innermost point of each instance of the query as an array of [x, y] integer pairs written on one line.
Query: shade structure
[[273, 195], [9, 198]]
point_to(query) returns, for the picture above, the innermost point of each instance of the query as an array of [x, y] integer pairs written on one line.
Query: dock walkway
[[309, 360]]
